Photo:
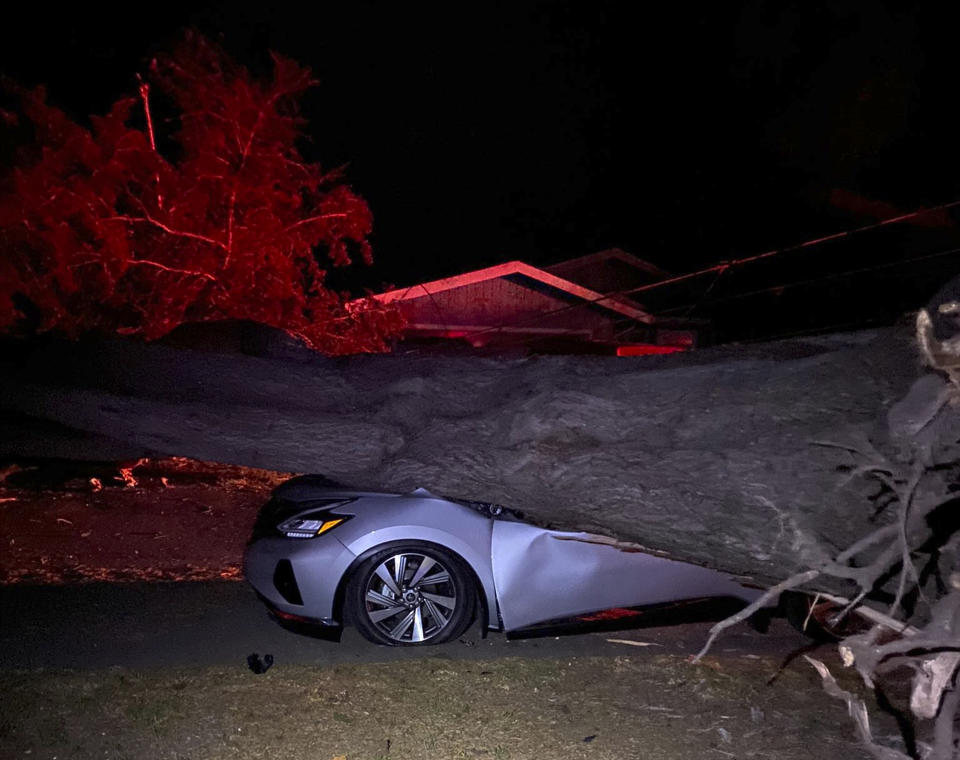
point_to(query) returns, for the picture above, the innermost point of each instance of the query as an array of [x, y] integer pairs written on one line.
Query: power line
[[798, 283], [723, 266]]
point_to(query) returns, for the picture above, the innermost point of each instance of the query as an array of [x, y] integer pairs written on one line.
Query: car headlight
[[311, 524]]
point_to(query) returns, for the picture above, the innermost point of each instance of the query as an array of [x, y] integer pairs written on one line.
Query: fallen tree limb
[[682, 453], [919, 476], [770, 595], [857, 710]]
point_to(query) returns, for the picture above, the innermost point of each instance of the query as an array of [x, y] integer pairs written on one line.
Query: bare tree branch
[[146, 219], [769, 595]]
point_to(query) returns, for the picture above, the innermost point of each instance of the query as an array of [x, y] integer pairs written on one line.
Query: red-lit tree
[[100, 230]]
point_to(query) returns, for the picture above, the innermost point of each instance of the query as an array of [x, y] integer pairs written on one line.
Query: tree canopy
[[101, 230]]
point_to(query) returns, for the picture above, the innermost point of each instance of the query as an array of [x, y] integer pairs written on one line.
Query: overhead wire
[[800, 283], [723, 266], [811, 281]]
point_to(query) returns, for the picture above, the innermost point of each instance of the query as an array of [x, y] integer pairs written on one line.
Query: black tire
[[411, 594]]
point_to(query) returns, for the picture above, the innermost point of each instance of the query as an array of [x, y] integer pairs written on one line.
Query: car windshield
[[496, 511]]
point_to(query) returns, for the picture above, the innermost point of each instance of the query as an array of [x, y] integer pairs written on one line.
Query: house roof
[[515, 268], [569, 265]]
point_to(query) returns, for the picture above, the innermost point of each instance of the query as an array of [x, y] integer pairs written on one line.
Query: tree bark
[[727, 456]]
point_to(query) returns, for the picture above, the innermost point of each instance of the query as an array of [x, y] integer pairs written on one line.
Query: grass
[[597, 708]]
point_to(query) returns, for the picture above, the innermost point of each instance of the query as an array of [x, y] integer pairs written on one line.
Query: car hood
[[303, 494]]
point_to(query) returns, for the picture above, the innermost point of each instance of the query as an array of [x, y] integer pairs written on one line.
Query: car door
[[543, 575]]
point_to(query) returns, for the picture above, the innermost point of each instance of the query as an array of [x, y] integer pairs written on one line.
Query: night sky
[[686, 134]]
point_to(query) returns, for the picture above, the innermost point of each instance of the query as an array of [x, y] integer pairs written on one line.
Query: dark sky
[[685, 134]]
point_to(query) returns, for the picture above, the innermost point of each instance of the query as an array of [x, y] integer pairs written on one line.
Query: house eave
[[514, 268]]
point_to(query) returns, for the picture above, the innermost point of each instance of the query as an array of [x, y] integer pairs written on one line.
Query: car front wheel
[[411, 595]]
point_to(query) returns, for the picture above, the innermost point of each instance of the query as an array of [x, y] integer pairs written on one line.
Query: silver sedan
[[416, 568]]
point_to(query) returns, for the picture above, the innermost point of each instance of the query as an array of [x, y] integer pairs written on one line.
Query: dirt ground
[[597, 708], [171, 519]]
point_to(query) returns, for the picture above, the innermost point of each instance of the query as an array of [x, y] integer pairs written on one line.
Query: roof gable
[[564, 268], [516, 271]]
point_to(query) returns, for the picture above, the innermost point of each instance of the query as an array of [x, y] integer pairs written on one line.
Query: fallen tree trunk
[[714, 457]]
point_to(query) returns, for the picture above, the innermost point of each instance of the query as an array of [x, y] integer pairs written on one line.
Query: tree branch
[[175, 270], [311, 219], [792, 582], [146, 219], [857, 710]]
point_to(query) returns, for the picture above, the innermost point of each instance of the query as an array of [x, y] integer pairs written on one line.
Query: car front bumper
[[299, 577]]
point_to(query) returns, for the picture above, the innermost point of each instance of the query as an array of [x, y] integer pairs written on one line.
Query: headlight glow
[[309, 526]]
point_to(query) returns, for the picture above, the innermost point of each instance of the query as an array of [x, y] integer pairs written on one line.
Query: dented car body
[[417, 568]]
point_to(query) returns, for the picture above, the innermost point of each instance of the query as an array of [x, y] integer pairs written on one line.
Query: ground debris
[[192, 712], [166, 527], [259, 665]]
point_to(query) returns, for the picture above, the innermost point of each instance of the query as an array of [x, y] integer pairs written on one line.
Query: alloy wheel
[[410, 598]]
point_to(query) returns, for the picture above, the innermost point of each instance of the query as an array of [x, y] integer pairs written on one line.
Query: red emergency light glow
[[616, 613], [646, 349]]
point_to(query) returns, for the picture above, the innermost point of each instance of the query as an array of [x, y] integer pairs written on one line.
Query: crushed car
[[410, 569]]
